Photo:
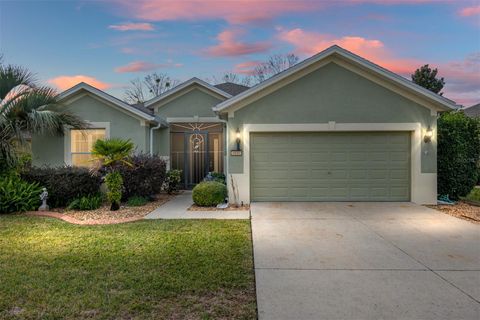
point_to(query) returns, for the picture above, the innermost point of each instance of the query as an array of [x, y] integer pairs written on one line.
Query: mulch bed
[[461, 210], [103, 215], [194, 207]]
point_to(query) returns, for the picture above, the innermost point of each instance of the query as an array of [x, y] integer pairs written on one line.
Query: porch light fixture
[[428, 135], [238, 139]]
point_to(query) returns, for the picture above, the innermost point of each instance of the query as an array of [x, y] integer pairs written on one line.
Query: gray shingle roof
[[231, 88], [141, 107], [473, 111]]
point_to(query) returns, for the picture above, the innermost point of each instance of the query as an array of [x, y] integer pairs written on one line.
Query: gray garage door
[[353, 166]]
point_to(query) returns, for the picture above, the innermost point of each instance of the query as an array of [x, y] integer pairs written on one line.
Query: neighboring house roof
[[473, 111], [232, 88], [103, 95], [442, 102], [184, 85]]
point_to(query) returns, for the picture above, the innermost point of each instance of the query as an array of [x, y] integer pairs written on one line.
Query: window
[[81, 144]]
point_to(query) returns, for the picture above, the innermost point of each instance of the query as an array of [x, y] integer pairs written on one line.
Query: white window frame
[[68, 138]]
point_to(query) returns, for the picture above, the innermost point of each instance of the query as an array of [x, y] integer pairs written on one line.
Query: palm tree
[[111, 153], [27, 109]]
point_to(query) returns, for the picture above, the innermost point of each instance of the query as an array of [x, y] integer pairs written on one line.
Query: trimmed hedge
[[458, 154], [144, 178], [64, 184], [209, 193]]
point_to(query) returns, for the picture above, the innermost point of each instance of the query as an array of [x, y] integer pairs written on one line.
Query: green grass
[[474, 195], [144, 270]]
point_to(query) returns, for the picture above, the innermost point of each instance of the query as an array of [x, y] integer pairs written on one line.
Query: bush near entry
[[209, 193]]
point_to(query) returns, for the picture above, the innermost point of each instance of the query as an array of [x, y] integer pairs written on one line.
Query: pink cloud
[[462, 80], [130, 26], [143, 66], [246, 68], [239, 11], [229, 45], [470, 11], [66, 82]]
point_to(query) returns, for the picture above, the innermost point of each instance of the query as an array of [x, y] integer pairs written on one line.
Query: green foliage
[[27, 108], [209, 193], [64, 184], [17, 195], [113, 151], [145, 177], [114, 183], [136, 201], [172, 181], [458, 154], [86, 203], [427, 78], [474, 195], [216, 176]]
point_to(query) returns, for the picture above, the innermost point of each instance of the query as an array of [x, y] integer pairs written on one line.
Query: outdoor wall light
[[238, 139], [428, 135]]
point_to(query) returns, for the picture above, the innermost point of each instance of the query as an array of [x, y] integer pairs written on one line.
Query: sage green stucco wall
[[48, 150], [195, 102], [333, 93]]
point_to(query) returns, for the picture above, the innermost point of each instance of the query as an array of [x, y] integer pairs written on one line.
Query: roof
[[142, 108], [443, 103], [135, 110], [184, 85], [232, 88], [473, 111]]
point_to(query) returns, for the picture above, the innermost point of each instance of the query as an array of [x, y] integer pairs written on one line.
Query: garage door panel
[[354, 166]]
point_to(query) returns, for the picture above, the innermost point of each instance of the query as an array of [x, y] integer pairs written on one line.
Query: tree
[[427, 78], [231, 77], [111, 153], [27, 109], [274, 65], [458, 154], [151, 86]]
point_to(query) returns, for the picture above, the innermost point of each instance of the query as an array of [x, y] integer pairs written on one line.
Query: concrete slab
[[177, 209], [364, 261], [341, 294], [467, 281], [324, 244]]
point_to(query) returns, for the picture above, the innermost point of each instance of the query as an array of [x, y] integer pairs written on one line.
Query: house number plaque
[[236, 153]]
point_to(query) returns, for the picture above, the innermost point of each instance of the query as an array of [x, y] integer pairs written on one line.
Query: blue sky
[[108, 43]]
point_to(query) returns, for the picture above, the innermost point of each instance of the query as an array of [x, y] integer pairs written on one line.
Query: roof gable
[[82, 86], [337, 54], [172, 93]]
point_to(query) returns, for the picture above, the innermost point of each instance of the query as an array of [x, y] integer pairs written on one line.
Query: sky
[[108, 43]]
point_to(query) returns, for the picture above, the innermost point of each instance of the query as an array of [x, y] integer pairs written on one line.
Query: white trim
[[423, 185], [442, 102], [67, 155], [194, 119], [184, 85], [100, 94]]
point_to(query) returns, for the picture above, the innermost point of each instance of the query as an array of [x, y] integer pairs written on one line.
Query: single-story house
[[473, 111], [334, 127]]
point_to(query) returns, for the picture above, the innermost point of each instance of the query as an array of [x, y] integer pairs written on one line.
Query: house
[[334, 127], [473, 111]]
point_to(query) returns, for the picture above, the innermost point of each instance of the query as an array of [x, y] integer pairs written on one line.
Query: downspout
[[151, 136]]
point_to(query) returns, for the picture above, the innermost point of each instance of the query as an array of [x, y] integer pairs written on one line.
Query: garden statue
[[44, 197]]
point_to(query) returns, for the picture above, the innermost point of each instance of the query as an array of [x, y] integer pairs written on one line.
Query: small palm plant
[[111, 153], [27, 109]]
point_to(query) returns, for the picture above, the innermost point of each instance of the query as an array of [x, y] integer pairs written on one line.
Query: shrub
[[458, 154], [144, 177], [216, 176], [209, 193], [64, 184], [86, 203], [17, 195], [172, 181], [114, 183], [474, 195], [137, 201]]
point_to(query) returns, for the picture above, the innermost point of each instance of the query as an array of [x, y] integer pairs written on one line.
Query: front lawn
[[173, 269]]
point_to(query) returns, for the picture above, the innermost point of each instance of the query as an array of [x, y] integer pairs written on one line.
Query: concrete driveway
[[364, 261]]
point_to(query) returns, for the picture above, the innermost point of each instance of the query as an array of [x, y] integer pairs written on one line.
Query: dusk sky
[[108, 43]]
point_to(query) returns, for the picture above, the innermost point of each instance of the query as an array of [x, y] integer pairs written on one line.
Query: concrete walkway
[[177, 209], [364, 261]]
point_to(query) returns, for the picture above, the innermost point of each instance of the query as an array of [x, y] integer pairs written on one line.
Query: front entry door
[[196, 160]]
